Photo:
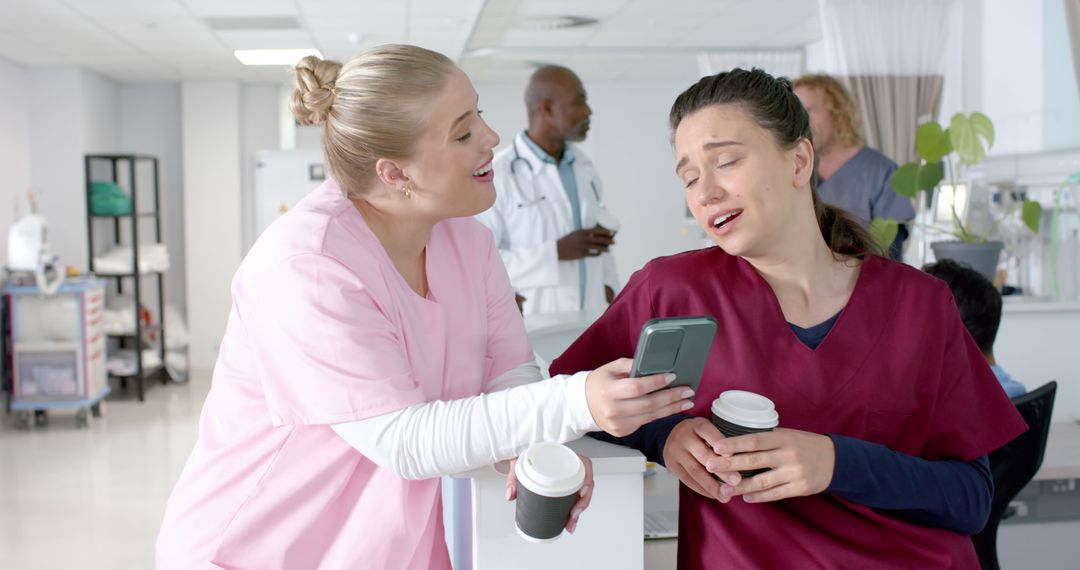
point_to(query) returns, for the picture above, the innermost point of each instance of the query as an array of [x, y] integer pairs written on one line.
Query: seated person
[[887, 407], [979, 303]]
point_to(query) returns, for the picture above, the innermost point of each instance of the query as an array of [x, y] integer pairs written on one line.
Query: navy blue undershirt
[[950, 494]]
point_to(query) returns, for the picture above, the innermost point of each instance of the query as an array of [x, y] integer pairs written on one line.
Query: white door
[[282, 178]]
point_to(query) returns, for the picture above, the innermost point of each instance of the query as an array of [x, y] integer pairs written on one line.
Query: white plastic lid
[[550, 469], [746, 409]]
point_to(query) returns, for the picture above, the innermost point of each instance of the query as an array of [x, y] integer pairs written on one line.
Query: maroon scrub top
[[898, 368]]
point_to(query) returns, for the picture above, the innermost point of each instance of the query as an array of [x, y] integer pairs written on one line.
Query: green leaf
[[1031, 214], [964, 140], [905, 180], [965, 133], [884, 233], [930, 175], [984, 127], [931, 142]]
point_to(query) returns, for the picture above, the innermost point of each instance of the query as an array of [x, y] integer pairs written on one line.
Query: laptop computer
[[661, 505]]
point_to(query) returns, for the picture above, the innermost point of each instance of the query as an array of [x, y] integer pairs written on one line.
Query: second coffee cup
[[738, 412], [549, 477]]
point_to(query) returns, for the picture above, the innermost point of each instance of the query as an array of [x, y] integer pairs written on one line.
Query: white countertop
[[1039, 305], [1062, 459], [606, 458], [568, 319]]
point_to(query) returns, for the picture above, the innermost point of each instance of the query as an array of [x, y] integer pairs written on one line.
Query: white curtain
[[885, 37], [779, 63], [889, 54]]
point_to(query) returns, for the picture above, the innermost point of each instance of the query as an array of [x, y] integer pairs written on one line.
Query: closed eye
[[690, 183], [468, 135], [728, 164]]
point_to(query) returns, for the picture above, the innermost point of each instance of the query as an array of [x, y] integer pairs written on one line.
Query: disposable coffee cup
[[607, 221], [738, 412], [549, 477]]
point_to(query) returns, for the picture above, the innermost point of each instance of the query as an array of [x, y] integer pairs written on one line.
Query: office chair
[[1013, 466]]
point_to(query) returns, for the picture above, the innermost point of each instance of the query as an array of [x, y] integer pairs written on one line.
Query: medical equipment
[[535, 197], [28, 251], [57, 350]]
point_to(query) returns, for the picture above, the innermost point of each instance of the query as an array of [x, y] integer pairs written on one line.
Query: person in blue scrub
[[850, 174], [979, 303]]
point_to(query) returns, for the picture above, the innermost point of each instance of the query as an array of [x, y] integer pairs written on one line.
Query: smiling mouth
[[723, 220], [483, 170]]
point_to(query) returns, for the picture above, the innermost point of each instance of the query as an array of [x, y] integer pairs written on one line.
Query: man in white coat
[[550, 224]]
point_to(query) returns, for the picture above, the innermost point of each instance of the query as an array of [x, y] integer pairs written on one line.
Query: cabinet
[[125, 247]]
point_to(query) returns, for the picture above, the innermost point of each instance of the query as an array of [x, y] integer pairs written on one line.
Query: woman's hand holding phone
[[620, 404]]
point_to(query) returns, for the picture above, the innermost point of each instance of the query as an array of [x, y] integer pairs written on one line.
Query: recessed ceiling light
[[555, 22], [274, 56]]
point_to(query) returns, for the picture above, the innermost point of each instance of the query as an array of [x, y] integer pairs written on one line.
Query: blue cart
[[57, 350]]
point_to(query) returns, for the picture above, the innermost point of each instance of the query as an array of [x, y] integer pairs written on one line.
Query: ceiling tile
[[266, 39], [633, 38], [240, 8]]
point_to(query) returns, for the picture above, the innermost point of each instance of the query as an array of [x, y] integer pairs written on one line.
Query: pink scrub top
[[898, 368], [323, 329]]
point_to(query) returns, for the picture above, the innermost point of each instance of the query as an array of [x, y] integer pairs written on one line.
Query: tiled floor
[[93, 498]]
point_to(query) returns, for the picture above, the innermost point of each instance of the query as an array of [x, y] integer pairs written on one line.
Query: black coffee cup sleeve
[[734, 430], [542, 517]]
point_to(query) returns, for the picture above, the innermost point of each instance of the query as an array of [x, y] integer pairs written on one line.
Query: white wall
[[100, 108], [56, 143], [632, 151], [815, 57], [210, 112], [259, 130], [1013, 74], [1061, 129], [14, 147], [72, 112], [628, 142], [150, 124]]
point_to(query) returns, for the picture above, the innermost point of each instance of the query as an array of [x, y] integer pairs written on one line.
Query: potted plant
[[962, 145]]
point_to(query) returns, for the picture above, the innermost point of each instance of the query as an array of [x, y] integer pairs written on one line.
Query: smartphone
[[675, 344]]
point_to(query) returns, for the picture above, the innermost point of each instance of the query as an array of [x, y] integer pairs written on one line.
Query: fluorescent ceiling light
[[274, 56]]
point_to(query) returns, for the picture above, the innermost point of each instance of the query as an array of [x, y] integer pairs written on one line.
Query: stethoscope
[[536, 197]]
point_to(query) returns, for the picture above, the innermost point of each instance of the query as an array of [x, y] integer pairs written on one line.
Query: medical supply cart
[[57, 349]]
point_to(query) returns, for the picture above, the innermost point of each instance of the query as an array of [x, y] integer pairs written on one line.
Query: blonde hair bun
[[313, 96]]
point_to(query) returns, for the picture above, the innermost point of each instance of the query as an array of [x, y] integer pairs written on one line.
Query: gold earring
[[408, 192]]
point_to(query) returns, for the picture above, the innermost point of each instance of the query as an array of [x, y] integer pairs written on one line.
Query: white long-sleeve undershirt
[[446, 437]]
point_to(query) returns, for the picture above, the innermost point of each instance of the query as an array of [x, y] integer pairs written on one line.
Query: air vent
[[274, 23], [555, 22]]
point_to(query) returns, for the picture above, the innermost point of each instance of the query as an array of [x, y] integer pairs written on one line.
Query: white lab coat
[[530, 214]]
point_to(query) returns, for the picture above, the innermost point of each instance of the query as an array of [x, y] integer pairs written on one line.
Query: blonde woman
[[374, 344], [850, 174]]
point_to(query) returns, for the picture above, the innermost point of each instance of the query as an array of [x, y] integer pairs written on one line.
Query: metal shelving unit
[[122, 170]]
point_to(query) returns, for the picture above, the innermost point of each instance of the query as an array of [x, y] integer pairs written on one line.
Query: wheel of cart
[[32, 413]]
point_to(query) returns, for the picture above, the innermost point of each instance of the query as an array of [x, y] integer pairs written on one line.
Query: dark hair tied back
[[772, 104]]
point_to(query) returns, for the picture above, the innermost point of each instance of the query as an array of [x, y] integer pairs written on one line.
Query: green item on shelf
[[108, 199]]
